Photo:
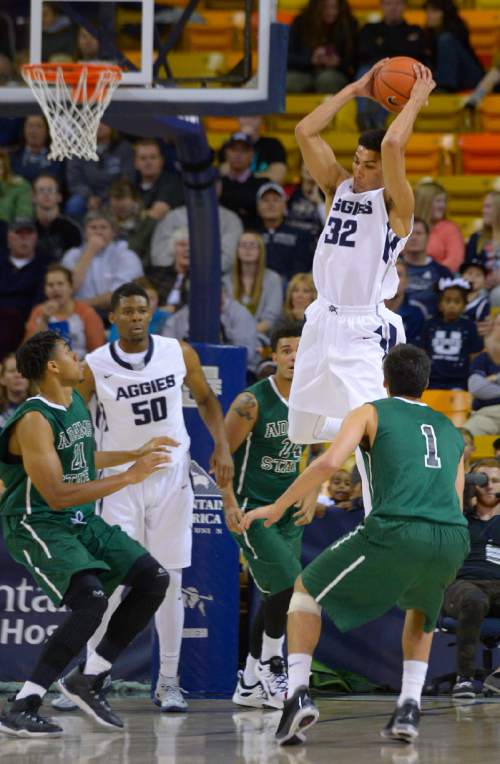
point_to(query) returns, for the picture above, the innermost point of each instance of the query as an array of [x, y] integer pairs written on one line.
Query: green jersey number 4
[[432, 459]]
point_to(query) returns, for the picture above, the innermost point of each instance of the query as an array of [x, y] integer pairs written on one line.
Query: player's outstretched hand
[[221, 465], [364, 86], [270, 514], [233, 517], [424, 84], [146, 465], [157, 444]]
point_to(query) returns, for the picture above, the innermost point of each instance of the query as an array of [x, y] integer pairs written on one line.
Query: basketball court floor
[[217, 732]]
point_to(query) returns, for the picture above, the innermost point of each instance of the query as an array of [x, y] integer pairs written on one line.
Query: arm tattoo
[[247, 403]]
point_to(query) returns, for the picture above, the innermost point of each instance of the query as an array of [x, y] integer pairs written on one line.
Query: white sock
[[414, 673], [328, 429], [299, 668], [30, 688], [95, 664], [271, 647], [249, 676], [169, 621]]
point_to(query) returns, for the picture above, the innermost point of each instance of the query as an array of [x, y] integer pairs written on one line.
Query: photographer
[[475, 593]]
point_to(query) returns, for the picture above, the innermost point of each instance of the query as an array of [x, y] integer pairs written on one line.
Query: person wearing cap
[[101, 264], [22, 270], [239, 184], [478, 301], [269, 155], [288, 249]]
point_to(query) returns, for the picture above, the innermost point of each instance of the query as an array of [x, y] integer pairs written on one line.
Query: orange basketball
[[393, 82]]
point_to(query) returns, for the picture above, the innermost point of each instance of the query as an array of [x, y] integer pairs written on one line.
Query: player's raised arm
[[33, 440], [358, 425], [210, 411], [401, 201], [318, 156]]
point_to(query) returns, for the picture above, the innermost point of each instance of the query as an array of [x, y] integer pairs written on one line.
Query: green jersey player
[[266, 463], [48, 465], [408, 550]]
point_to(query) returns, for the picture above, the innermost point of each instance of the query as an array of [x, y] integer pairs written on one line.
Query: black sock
[[275, 613]]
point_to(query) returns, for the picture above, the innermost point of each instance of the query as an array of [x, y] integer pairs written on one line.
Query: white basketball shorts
[[158, 513], [339, 360]]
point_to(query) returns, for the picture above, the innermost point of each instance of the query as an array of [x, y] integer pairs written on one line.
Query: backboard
[[179, 57]]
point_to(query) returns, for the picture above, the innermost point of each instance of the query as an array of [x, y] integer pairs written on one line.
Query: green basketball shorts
[[273, 554], [53, 550], [383, 563]]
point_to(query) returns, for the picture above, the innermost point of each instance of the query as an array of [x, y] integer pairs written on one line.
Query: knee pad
[[85, 592], [301, 602], [148, 576]]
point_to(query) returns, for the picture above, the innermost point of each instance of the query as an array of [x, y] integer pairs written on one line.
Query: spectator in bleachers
[[288, 249], [484, 384], [239, 184], [10, 127], [22, 270], [391, 36], [423, 272], [322, 47], [454, 63], [159, 316], [269, 155], [56, 232], [76, 321], [88, 47], [339, 489], [484, 245], [230, 228], [300, 293], [89, 181], [172, 281], [31, 158], [58, 34], [14, 388], [445, 243], [306, 205], [8, 76], [101, 264], [478, 301], [256, 287], [238, 327], [450, 340], [411, 311], [131, 223], [15, 193], [489, 83], [475, 593], [159, 189]]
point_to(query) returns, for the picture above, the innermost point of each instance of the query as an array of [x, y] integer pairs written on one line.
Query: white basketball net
[[73, 117]]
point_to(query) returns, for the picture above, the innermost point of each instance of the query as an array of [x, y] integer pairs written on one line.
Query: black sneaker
[[463, 689], [86, 690], [403, 724], [21, 718], [299, 713]]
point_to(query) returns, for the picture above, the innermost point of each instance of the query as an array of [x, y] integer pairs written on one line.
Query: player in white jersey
[[348, 329], [137, 382]]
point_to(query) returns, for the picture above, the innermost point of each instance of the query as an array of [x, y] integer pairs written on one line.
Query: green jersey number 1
[[432, 459]]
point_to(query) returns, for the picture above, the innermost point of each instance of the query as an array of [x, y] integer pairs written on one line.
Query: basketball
[[393, 83]]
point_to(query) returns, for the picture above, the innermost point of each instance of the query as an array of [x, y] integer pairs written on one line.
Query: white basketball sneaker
[[168, 695], [274, 679], [253, 696]]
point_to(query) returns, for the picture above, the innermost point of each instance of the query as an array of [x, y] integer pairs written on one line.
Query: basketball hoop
[[73, 98]]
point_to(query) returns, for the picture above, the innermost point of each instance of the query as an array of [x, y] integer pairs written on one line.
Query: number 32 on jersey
[[341, 232]]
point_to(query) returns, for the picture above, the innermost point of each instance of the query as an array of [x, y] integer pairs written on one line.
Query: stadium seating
[[480, 153], [456, 404], [483, 446], [490, 113]]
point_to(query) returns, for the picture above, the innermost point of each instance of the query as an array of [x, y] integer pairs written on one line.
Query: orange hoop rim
[[72, 71]]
